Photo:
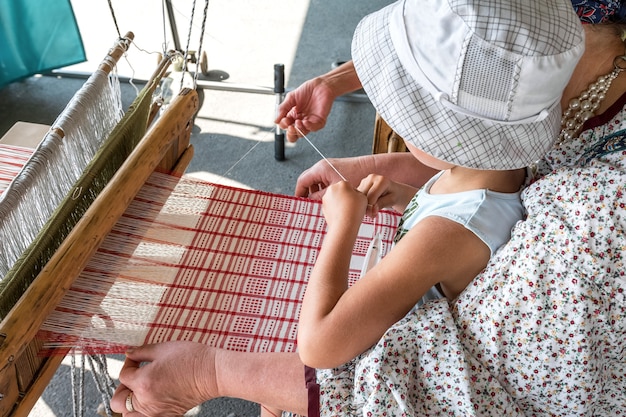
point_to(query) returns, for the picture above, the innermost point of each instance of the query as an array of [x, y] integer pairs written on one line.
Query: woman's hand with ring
[[129, 403], [165, 379]]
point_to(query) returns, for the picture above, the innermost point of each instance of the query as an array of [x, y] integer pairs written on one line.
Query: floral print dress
[[541, 331]]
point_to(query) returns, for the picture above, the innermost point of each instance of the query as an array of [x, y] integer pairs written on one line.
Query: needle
[[320, 153], [373, 254]]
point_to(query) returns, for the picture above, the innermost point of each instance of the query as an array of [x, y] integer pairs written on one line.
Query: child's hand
[[344, 205], [382, 192]]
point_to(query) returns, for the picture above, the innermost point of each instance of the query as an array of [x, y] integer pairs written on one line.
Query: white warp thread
[[56, 164]]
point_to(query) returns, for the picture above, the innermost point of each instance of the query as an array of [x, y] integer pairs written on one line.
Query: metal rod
[[210, 85], [279, 90], [172, 19]]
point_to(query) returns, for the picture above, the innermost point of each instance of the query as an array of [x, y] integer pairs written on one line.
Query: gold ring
[[129, 403]]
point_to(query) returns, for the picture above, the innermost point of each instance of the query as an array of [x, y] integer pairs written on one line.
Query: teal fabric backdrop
[[37, 36]]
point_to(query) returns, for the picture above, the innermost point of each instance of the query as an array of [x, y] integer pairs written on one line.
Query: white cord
[[321, 154]]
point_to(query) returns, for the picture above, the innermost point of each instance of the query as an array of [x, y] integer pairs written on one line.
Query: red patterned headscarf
[[600, 11]]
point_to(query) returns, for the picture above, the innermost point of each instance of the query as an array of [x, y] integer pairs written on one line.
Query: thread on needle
[[320, 153]]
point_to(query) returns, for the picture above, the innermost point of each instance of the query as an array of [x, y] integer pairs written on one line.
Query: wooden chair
[[385, 139]]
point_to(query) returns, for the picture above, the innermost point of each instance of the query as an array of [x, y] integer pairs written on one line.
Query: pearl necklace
[[582, 108]]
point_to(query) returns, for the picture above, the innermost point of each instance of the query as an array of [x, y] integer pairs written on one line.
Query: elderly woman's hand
[[165, 379], [314, 181], [305, 109], [308, 106]]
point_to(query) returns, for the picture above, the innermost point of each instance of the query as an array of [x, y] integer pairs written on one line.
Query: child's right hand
[[343, 205], [381, 192]]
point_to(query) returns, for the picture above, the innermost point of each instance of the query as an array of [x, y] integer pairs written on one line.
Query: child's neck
[[458, 179]]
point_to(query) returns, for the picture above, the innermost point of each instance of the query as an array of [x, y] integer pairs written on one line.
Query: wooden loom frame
[[23, 374], [165, 147]]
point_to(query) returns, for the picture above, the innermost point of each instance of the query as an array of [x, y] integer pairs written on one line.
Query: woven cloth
[[12, 159], [218, 265]]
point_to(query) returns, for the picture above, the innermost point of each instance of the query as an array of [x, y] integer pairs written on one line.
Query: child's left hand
[[381, 192]]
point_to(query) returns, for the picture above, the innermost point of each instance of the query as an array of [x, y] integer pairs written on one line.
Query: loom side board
[[24, 374], [25, 134]]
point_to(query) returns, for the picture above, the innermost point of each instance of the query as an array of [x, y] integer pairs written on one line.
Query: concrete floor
[[233, 136]]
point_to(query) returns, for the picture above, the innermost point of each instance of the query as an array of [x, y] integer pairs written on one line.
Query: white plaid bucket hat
[[475, 83]]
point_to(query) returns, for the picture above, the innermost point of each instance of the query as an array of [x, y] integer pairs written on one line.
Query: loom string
[[204, 18], [242, 158], [119, 34], [114, 18], [186, 54], [320, 153], [262, 139], [77, 375], [104, 382], [304, 136]]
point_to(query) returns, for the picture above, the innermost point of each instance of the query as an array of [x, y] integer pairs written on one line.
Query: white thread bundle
[[56, 164]]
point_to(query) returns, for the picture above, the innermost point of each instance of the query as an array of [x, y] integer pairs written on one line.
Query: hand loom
[[129, 253], [110, 160]]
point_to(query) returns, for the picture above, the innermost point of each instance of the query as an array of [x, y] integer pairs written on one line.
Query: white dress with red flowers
[[541, 332]]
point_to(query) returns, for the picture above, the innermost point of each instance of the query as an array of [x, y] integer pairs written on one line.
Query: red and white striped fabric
[[213, 264], [12, 159]]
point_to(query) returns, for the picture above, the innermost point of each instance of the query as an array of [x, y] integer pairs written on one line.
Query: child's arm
[[382, 192], [336, 323]]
